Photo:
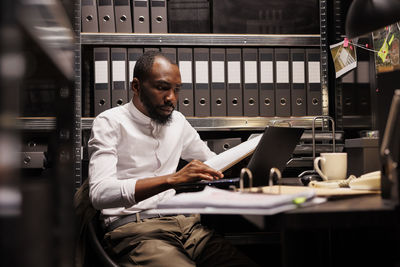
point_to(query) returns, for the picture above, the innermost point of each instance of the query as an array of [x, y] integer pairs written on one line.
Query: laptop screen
[[274, 150]]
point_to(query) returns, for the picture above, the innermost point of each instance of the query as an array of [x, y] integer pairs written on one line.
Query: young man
[[135, 150]]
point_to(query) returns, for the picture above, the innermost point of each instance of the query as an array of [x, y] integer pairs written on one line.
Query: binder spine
[[89, 17], [169, 53], [101, 79], [234, 89], [298, 85], [123, 18], [267, 85], [201, 85], [185, 63], [106, 15], [314, 101], [141, 15], [218, 84], [119, 95], [146, 49], [133, 55], [250, 85], [282, 92], [159, 16]]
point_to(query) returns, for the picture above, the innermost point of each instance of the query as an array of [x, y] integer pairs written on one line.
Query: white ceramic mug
[[333, 166]]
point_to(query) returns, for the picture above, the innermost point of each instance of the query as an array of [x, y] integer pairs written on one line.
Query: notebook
[[274, 149]]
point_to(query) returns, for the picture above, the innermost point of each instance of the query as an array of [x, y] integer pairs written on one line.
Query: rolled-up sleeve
[[106, 190]]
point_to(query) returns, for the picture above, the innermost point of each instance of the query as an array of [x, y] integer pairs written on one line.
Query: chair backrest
[[93, 236], [89, 231]]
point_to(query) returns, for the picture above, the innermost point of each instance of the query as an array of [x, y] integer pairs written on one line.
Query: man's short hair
[[145, 63]]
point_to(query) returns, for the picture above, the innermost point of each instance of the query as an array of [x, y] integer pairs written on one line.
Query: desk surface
[[351, 212], [349, 204], [357, 211]]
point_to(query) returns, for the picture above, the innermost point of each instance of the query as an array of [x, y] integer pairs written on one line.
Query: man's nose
[[171, 95]]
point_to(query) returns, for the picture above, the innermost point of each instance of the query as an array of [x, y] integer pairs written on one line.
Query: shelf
[[200, 39], [36, 123], [48, 25], [357, 122], [236, 123], [200, 124]]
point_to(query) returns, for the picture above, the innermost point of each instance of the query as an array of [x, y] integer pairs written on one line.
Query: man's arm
[[193, 171], [106, 191]]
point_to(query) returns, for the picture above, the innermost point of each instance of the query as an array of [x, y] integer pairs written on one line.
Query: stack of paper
[[212, 198]]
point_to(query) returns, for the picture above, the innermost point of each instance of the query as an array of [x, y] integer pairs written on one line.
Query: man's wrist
[[171, 182]]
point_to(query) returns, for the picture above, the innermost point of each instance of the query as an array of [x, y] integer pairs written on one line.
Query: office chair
[[94, 234]]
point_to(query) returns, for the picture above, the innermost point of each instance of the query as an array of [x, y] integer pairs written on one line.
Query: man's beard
[[153, 110]]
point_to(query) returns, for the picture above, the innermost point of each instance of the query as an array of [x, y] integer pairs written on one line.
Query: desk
[[357, 231]]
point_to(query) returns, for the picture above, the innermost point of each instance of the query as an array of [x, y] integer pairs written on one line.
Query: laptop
[[275, 149]]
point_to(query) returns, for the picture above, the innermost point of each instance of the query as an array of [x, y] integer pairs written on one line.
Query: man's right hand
[[194, 171]]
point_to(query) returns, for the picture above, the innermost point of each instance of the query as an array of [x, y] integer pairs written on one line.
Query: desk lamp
[[366, 16]]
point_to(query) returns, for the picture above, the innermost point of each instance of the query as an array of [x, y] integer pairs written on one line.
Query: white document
[[228, 158], [219, 198]]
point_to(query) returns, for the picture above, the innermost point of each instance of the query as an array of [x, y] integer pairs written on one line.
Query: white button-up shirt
[[126, 146]]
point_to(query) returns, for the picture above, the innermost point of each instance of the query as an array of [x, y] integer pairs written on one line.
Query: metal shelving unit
[[43, 53], [210, 40], [200, 39], [323, 9], [78, 94]]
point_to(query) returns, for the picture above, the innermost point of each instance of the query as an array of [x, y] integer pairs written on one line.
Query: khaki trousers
[[171, 241]]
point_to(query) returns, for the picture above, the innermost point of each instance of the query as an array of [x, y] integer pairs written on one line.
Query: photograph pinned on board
[[344, 57], [386, 43]]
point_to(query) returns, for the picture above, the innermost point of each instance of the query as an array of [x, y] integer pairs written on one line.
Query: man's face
[[158, 94]]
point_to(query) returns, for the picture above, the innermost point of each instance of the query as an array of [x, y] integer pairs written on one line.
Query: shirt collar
[[141, 118], [138, 115]]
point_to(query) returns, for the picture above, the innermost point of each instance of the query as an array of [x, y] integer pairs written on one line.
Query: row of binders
[[221, 81], [125, 16]]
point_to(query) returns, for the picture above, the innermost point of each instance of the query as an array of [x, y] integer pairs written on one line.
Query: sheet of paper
[[228, 158], [219, 198]]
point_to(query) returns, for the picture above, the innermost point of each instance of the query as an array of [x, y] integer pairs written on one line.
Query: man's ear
[[135, 85]]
